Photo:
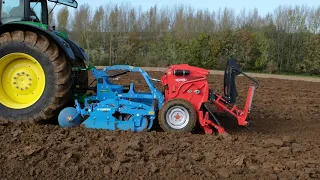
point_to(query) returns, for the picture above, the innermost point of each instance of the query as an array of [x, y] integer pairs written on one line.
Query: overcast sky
[[263, 6]]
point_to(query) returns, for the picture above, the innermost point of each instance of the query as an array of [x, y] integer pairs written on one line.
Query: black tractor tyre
[[58, 81], [175, 105]]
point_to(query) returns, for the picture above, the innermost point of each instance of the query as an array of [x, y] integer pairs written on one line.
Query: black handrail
[[118, 74], [252, 79]]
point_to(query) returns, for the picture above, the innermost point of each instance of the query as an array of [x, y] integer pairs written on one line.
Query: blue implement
[[116, 106]]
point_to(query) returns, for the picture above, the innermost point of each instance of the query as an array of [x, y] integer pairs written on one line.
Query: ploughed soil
[[283, 143]]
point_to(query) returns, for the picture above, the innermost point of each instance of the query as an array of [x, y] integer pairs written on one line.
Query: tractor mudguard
[[26, 27], [77, 50]]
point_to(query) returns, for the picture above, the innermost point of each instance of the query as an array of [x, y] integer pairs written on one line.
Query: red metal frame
[[241, 115], [195, 89], [185, 87], [205, 122]]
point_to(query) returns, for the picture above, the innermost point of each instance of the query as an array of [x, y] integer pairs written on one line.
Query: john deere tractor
[[36, 62]]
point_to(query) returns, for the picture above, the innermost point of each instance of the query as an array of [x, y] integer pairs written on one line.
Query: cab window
[[36, 10], [12, 10]]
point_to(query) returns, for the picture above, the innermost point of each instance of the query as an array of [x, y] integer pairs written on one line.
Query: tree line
[[286, 40]]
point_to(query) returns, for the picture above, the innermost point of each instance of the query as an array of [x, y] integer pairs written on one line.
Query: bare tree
[[82, 25], [63, 19], [314, 20]]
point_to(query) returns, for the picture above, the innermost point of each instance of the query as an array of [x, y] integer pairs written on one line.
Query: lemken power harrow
[[115, 106], [182, 106]]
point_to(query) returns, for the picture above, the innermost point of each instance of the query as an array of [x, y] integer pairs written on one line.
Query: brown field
[[284, 143]]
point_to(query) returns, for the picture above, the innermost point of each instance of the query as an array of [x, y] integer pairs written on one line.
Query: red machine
[[187, 96]]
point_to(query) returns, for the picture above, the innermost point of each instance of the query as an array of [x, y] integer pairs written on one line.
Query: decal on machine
[[181, 80], [103, 109]]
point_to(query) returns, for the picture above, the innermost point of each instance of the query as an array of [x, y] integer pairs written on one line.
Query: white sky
[[263, 6]]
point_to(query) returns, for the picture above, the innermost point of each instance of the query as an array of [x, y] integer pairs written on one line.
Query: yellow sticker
[[151, 112]]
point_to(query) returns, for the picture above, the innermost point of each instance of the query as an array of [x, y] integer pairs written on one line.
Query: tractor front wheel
[[177, 115], [35, 78]]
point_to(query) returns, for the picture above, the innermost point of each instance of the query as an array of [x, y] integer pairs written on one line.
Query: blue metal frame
[[107, 109]]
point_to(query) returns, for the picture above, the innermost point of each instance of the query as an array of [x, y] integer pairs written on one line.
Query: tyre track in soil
[[283, 143]]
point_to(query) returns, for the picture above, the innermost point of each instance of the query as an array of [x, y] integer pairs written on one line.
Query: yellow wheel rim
[[22, 80]]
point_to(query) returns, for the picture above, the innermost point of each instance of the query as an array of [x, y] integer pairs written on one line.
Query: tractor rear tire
[[33, 67], [177, 115]]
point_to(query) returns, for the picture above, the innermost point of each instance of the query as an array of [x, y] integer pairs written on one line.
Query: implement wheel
[[177, 115], [35, 78]]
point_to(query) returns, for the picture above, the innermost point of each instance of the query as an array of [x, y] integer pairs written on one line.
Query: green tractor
[[37, 76]]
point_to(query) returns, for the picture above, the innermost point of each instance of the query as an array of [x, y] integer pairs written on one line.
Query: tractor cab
[[29, 10]]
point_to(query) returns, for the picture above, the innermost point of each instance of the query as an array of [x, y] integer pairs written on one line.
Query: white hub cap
[[177, 117]]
